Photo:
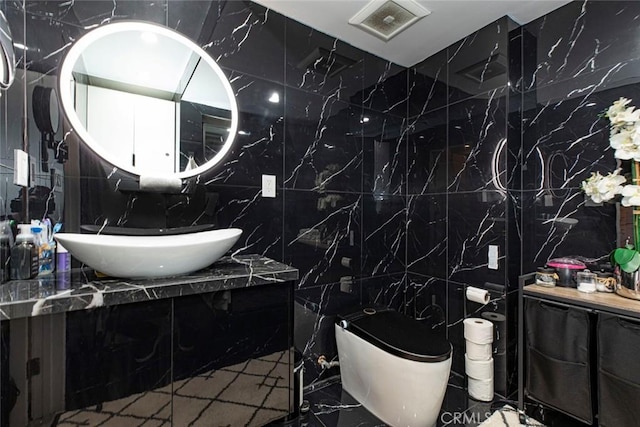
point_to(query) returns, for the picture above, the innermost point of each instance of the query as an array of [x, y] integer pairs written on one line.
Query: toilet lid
[[399, 335]]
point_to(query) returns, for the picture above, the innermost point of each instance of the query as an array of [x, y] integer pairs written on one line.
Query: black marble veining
[[82, 290]]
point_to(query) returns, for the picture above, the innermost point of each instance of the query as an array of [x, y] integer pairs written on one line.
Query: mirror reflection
[[148, 100], [7, 55]]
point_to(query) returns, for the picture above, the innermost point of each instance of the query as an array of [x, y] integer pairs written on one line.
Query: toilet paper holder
[[496, 299]]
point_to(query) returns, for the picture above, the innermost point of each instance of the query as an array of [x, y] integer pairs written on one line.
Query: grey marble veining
[[80, 289]]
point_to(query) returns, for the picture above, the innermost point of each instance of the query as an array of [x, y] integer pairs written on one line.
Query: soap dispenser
[[24, 255]]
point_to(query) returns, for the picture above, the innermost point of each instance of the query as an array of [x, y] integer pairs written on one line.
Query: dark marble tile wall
[[574, 67], [499, 160], [336, 142], [458, 175]]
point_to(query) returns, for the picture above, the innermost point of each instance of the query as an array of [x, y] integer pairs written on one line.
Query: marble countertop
[[80, 289]]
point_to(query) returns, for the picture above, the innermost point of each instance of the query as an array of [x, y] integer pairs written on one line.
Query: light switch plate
[[20, 168], [493, 257], [268, 186]]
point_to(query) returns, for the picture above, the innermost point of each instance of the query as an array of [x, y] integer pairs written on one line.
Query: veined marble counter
[[80, 289]]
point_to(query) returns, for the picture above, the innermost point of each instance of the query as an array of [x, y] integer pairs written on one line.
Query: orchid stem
[[635, 174]]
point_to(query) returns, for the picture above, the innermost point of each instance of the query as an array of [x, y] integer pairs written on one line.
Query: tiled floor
[[249, 394], [332, 407]]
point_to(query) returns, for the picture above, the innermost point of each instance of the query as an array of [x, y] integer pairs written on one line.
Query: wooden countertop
[[610, 302]]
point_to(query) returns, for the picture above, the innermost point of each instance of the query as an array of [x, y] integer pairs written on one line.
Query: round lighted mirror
[[7, 55], [148, 100]]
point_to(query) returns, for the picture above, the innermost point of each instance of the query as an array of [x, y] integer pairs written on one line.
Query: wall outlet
[[268, 186], [20, 168]]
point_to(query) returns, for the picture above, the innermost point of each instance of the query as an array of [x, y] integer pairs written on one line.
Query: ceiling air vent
[[326, 62], [486, 69], [387, 18]]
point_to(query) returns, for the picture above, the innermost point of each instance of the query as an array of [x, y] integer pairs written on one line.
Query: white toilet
[[395, 366]]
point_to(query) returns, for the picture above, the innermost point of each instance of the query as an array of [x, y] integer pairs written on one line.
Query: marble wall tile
[[384, 86], [323, 145], [475, 221], [427, 160], [456, 313], [320, 230], [239, 35], [260, 218], [476, 143], [427, 235], [479, 62], [559, 223], [384, 154], [428, 85], [383, 235], [516, 43], [321, 64], [515, 231], [386, 291], [513, 175], [427, 300], [564, 136], [258, 145], [572, 41]]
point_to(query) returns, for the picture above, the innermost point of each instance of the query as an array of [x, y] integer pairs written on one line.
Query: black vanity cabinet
[[579, 354], [194, 350]]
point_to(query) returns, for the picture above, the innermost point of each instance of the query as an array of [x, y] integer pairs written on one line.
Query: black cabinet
[[618, 370], [214, 358], [580, 354], [559, 362]]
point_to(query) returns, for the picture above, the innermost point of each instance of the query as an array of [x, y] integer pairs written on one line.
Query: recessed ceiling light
[[274, 98]]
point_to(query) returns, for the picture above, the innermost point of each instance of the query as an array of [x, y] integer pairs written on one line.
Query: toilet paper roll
[[499, 329], [479, 331], [480, 389], [478, 351], [481, 296], [478, 369]]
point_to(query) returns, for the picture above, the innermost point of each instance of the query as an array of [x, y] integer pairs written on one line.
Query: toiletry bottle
[[24, 255], [63, 267], [45, 253]]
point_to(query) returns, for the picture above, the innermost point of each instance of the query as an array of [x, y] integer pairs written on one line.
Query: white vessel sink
[[149, 256]]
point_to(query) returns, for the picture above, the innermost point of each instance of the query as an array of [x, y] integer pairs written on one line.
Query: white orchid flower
[[617, 107], [603, 188], [631, 195], [626, 145], [624, 119]]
